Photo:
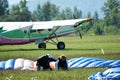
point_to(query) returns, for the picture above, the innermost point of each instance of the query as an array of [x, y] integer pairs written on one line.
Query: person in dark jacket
[[43, 62], [61, 63]]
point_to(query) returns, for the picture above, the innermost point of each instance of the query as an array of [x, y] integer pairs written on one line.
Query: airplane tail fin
[[1, 29]]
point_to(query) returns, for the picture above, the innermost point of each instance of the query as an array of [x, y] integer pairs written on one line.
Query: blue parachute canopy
[[84, 62], [2, 65], [110, 74]]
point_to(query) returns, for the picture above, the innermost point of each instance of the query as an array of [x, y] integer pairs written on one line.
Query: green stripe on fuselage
[[17, 33], [14, 34], [1, 30]]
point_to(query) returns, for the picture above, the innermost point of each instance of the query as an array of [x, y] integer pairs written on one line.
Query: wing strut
[[54, 31]]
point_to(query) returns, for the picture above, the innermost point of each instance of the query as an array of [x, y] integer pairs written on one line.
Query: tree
[[14, 13], [19, 12], [68, 13], [54, 11], [46, 11], [3, 9], [25, 14], [37, 14], [61, 15], [97, 25], [77, 13], [96, 17], [111, 11]]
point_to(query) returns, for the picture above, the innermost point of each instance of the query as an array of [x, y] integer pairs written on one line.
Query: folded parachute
[[109, 74], [82, 62], [22, 64]]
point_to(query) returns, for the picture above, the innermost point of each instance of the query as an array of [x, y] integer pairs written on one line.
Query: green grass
[[89, 46]]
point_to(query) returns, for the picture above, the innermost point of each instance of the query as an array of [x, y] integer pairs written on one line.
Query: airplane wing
[[8, 26], [42, 24], [51, 24], [58, 24]]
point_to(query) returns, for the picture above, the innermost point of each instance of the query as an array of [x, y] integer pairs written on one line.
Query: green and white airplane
[[13, 33]]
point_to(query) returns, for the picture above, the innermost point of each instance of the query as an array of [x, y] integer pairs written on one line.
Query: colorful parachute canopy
[[82, 62]]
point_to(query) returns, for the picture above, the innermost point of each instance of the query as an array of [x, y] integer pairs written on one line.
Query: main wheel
[[42, 45], [61, 45]]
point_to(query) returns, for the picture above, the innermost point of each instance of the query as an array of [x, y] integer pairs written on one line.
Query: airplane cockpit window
[[0, 39], [49, 29], [25, 31], [36, 30]]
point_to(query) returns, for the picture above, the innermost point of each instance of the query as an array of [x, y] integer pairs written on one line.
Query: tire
[[42, 45], [61, 45]]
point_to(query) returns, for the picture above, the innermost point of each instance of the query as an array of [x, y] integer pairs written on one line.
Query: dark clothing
[[62, 64], [44, 61]]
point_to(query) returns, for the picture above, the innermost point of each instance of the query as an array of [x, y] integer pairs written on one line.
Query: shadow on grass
[[67, 49], [81, 49], [12, 50]]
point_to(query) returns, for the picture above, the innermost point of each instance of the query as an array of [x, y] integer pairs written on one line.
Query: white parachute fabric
[[82, 62], [22, 64], [28, 65], [19, 63]]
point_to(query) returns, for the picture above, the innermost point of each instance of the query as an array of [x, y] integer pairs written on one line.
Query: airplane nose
[[89, 19]]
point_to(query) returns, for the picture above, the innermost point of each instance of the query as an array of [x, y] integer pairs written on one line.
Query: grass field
[[89, 46]]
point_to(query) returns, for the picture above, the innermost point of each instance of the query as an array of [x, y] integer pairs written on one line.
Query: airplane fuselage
[[12, 33], [20, 36]]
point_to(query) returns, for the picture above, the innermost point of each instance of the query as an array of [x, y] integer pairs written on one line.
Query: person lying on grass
[[46, 62], [43, 62]]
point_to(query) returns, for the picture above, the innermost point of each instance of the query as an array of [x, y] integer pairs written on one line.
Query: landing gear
[[61, 45], [42, 45]]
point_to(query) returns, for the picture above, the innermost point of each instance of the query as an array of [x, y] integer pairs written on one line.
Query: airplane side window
[[25, 31], [31, 31], [0, 39], [39, 30], [36, 30], [49, 29]]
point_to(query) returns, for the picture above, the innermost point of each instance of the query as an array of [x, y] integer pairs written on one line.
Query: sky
[[84, 5]]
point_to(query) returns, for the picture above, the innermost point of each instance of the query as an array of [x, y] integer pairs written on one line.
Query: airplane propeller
[[78, 24], [78, 32], [77, 27]]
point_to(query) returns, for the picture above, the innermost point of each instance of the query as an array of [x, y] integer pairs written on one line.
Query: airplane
[[14, 33]]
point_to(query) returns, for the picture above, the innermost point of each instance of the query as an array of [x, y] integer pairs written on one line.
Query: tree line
[[110, 24]]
